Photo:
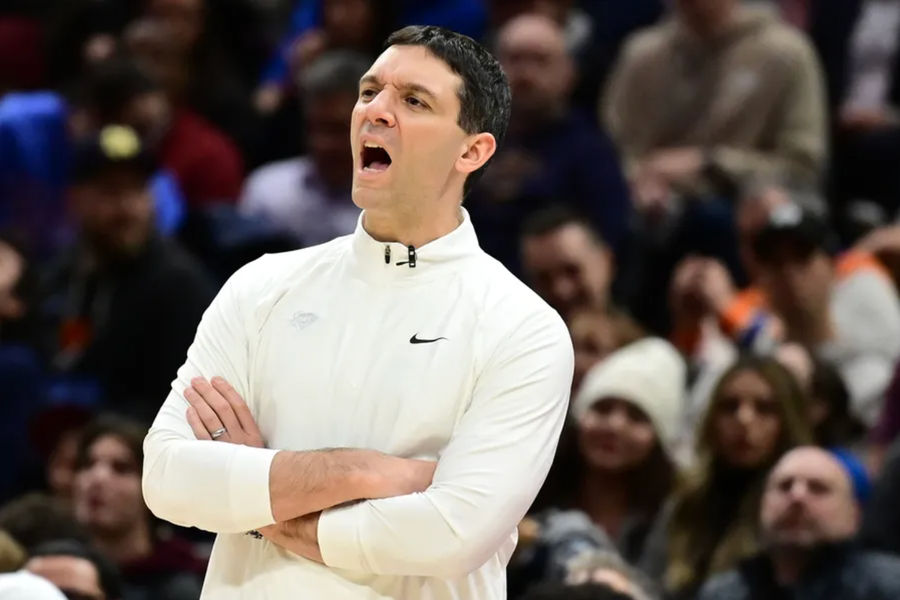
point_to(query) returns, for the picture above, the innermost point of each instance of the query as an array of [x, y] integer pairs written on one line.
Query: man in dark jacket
[[810, 512], [122, 305]]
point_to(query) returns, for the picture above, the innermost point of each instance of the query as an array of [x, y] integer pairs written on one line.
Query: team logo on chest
[[302, 320]]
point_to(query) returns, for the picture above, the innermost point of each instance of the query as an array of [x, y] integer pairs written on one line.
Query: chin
[[367, 198]]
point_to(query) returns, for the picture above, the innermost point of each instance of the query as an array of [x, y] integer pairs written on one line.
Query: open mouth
[[375, 158]]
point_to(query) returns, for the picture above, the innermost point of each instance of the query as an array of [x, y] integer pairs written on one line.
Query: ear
[[479, 149]]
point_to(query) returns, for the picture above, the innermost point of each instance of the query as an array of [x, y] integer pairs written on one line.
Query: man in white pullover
[[401, 344]]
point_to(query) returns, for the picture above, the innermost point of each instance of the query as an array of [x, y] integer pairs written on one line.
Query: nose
[[564, 288], [380, 110], [746, 413], [616, 419]]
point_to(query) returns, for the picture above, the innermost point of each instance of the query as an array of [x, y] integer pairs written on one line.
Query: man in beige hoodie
[[717, 93]]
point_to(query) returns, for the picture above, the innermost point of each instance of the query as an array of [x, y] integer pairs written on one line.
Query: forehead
[[404, 65], [534, 33], [811, 464], [112, 447]]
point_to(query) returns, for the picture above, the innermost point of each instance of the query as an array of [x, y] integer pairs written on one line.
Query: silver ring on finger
[[218, 433]]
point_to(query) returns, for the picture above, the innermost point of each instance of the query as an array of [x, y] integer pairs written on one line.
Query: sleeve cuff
[[338, 539], [249, 483]]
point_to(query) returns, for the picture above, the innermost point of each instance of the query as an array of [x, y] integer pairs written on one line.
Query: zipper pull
[[412, 257], [387, 254]]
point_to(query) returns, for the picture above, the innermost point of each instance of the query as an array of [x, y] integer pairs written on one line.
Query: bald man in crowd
[[810, 515], [552, 153]]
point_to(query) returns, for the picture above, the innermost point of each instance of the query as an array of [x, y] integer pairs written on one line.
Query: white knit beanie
[[650, 373]]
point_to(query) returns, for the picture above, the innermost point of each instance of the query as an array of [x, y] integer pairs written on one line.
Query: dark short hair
[[112, 85], [555, 216], [484, 97], [36, 518], [107, 573], [131, 433]]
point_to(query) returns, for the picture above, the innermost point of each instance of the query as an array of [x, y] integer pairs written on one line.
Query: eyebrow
[[410, 86]]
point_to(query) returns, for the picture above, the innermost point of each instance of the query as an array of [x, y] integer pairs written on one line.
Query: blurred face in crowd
[[185, 18], [349, 23], [797, 280], [532, 51], [568, 268], [808, 501], [115, 211], [151, 43], [615, 435], [77, 577], [593, 339], [747, 422], [12, 267], [62, 463], [752, 215], [150, 115], [409, 107], [327, 130], [108, 488]]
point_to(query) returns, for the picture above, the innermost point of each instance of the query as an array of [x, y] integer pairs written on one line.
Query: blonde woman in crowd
[[757, 412]]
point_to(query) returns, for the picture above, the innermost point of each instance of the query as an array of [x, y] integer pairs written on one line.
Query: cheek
[[769, 428], [641, 441]]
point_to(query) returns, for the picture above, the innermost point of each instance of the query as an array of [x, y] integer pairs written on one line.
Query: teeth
[[371, 145]]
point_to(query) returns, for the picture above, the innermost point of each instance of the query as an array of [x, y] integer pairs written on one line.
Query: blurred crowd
[[706, 191]]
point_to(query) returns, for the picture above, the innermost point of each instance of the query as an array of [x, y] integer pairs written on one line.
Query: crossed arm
[[486, 478]]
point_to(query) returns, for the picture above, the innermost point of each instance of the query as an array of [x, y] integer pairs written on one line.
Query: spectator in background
[[571, 267], [613, 468], [109, 504], [721, 93], [319, 26], [745, 99], [21, 367], [595, 335], [310, 195], [626, 413], [215, 46], [858, 41], [551, 151], [121, 307], [205, 162], [35, 519], [809, 515], [848, 312], [79, 571], [756, 413], [608, 568]]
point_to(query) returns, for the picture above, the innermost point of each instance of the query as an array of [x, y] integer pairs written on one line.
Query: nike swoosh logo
[[415, 339]]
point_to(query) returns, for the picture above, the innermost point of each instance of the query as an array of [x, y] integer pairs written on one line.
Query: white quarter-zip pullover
[[347, 345]]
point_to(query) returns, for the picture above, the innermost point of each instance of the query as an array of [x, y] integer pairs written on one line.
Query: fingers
[[208, 419], [238, 406], [197, 426]]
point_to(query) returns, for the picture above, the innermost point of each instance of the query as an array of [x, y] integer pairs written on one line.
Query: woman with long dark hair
[[756, 414]]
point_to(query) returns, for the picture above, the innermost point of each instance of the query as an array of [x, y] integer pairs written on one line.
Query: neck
[[127, 545], [604, 497], [789, 565], [811, 330], [415, 229], [715, 22]]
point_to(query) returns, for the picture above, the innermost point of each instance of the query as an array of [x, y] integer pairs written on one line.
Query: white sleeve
[[487, 476], [217, 487], [871, 311]]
